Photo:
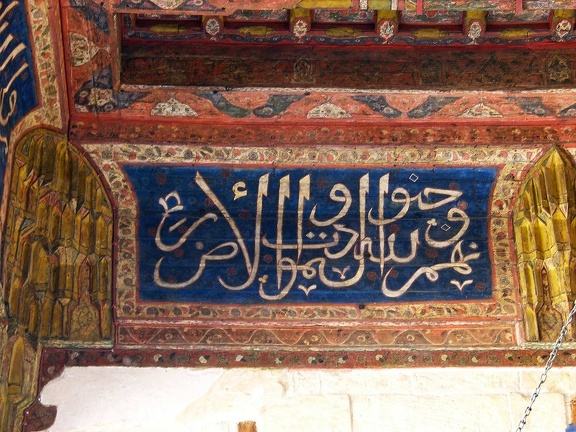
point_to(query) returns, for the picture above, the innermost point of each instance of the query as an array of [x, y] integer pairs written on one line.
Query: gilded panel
[[545, 241], [57, 276]]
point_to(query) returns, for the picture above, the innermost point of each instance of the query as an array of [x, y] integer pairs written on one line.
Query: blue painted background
[[17, 79], [151, 183]]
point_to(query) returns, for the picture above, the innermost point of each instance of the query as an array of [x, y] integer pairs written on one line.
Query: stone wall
[[216, 400]]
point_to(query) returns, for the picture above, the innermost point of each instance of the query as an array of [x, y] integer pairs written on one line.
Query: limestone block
[[307, 413], [400, 413], [561, 380], [465, 381], [235, 398], [116, 399], [243, 380], [365, 382], [304, 382], [549, 412]]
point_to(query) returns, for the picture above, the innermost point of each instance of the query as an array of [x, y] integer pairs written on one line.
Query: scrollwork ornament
[[387, 31], [563, 28], [212, 27], [474, 32], [300, 29]]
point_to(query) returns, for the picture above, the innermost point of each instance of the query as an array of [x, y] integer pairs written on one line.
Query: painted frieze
[[351, 240], [332, 198], [346, 69]]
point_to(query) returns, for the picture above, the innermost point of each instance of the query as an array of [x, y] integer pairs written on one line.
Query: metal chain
[[548, 366]]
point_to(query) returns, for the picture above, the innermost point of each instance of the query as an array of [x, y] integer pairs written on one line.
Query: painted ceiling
[[330, 183], [271, 112], [261, 109]]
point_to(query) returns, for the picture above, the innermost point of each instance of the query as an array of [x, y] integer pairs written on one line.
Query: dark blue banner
[[255, 235], [17, 86]]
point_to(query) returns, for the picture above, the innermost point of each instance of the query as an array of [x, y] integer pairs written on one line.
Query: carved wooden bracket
[[545, 243]]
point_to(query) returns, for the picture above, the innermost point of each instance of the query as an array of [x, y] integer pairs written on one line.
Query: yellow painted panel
[[16, 374], [526, 237], [300, 13], [379, 5], [429, 33], [257, 31], [531, 324], [388, 15], [15, 288], [514, 33], [46, 317], [554, 282], [560, 227], [325, 4], [544, 237], [529, 284], [342, 32], [564, 13], [476, 15], [57, 314]]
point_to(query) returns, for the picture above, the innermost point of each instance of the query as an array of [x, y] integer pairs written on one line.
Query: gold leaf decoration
[[545, 233], [57, 275]]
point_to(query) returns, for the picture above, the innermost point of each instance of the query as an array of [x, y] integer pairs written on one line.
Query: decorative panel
[[281, 248], [259, 15], [545, 223], [343, 16], [432, 17], [527, 16], [312, 235], [58, 247]]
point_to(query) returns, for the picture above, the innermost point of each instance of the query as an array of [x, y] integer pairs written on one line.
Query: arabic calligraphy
[[15, 59], [330, 235]]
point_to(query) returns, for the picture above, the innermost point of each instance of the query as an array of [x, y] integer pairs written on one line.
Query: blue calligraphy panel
[[256, 235], [17, 86]]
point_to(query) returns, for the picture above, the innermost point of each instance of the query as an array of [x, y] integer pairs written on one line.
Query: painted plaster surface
[[440, 400], [420, 123]]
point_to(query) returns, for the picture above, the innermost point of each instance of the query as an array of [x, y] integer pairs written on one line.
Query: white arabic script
[[8, 54], [351, 246]]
